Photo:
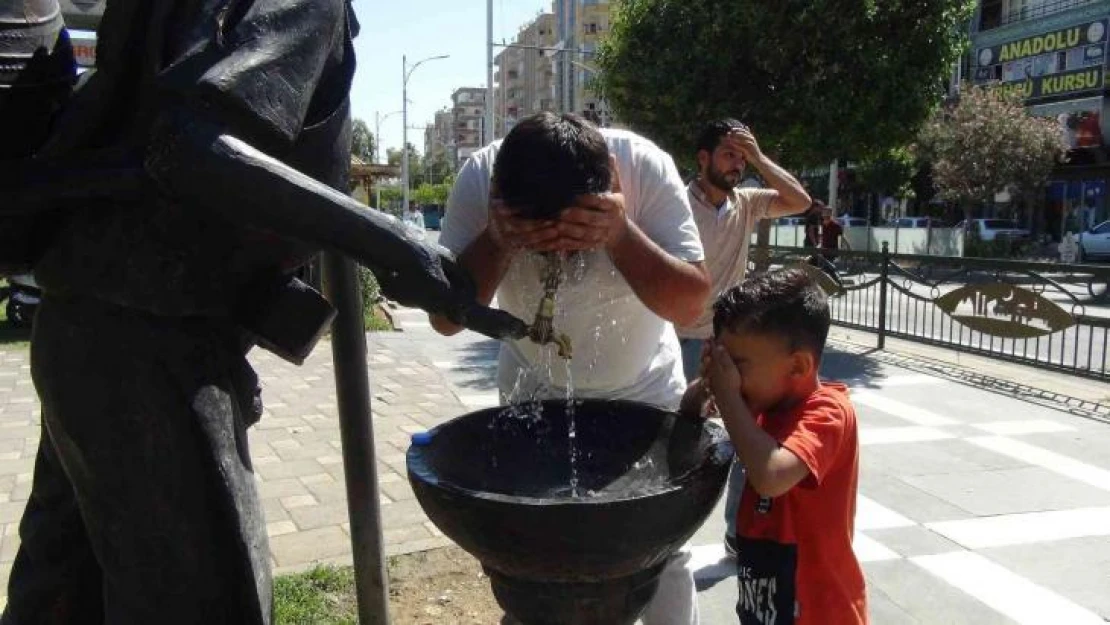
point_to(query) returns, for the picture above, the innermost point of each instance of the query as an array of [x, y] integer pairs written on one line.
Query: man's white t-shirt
[[622, 350]]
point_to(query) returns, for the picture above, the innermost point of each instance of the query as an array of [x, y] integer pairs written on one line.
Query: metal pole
[[378, 119], [489, 134], [352, 390], [884, 274], [405, 73], [378, 155], [404, 135], [834, 186]]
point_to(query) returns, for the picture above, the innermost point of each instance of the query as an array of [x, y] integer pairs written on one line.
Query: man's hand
[[596, 220], [792, 197], [512, 233], [743, 141]]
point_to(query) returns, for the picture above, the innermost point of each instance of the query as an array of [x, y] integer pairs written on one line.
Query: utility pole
[[405, 74], [378, 119], [489, 133]]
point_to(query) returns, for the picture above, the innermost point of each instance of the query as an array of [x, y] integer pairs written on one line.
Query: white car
[[995, 229], [1095, 243], [915, 222]]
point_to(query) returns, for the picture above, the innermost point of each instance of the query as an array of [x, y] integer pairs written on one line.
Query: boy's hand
[[695, 399], [724, 377]]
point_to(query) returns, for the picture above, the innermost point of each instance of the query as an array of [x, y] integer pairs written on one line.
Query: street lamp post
[[406, 72], [489, 133], [378, 119]]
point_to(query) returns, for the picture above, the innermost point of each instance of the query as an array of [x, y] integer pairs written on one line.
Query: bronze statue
[[164, 204]]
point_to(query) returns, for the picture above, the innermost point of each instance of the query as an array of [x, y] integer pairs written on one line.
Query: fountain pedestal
[[500, 487]]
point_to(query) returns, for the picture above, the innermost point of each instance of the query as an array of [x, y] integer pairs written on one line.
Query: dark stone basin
[[499, 486]]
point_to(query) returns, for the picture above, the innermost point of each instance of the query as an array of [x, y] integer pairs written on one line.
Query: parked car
[[916, 222], [1095, 243], [995, 229], [852, 222]]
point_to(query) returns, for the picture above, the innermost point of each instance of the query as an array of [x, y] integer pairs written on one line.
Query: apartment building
[[525, 74], [438, 137], [580, 26], [468, 111], [1054, 53]]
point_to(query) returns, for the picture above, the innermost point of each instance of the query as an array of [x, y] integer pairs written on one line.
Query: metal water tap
[[542, 330]]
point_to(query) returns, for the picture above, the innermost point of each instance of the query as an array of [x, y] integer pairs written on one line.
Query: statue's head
[[549, 159]]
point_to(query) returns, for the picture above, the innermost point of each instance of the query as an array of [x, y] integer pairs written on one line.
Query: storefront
[[1074, 206], [1062, 75]]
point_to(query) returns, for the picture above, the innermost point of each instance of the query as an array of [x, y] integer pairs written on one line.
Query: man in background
[[726, 218]]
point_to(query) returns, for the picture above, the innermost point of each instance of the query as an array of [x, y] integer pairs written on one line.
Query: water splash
[[572, 434]]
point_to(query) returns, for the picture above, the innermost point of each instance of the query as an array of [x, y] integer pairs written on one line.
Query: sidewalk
[[976, 506]]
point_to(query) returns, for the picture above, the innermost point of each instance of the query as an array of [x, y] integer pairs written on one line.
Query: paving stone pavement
[[975, 506], [295, 448]]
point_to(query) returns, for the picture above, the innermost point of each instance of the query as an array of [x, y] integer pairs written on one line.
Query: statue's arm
[[199, 162]]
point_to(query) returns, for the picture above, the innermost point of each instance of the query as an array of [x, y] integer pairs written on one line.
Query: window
[[1103, 228]]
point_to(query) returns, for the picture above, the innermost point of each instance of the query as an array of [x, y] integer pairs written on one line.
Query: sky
[[420, 29]]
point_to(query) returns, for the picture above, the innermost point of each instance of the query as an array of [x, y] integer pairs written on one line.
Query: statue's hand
[[431, 279], [427, 278]]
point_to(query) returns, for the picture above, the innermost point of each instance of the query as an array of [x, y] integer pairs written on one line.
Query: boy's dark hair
[[547, 160], [786, 303], [712, 132]]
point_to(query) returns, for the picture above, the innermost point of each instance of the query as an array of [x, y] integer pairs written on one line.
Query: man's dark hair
[[786, 303], [547, 160], [712, 133]]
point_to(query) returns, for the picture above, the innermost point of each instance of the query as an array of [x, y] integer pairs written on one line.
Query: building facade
[[1054, 53], [468, 111], [580, 26], [438, 138], [525, 74]]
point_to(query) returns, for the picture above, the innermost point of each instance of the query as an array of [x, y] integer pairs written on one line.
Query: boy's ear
[[803, 364]]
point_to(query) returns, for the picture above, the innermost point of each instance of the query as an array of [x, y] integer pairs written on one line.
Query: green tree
[[393, 157], [815, 79], [429, 193], [891, 173], [362, 141], [434, 168], [987, 142]]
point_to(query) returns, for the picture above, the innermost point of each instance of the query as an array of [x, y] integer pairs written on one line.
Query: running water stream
[[523, 401]]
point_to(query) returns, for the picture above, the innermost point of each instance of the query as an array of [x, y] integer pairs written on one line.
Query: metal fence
[[1049, 315]]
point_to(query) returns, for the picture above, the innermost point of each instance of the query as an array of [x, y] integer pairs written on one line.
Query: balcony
[[1000, 13]]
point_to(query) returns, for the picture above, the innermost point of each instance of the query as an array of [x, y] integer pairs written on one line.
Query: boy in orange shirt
[[797, 439]]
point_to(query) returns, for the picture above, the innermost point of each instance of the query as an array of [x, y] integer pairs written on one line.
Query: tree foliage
[[986, 142], [891, 173], [428, 193], [362, 141], [815, 79]]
